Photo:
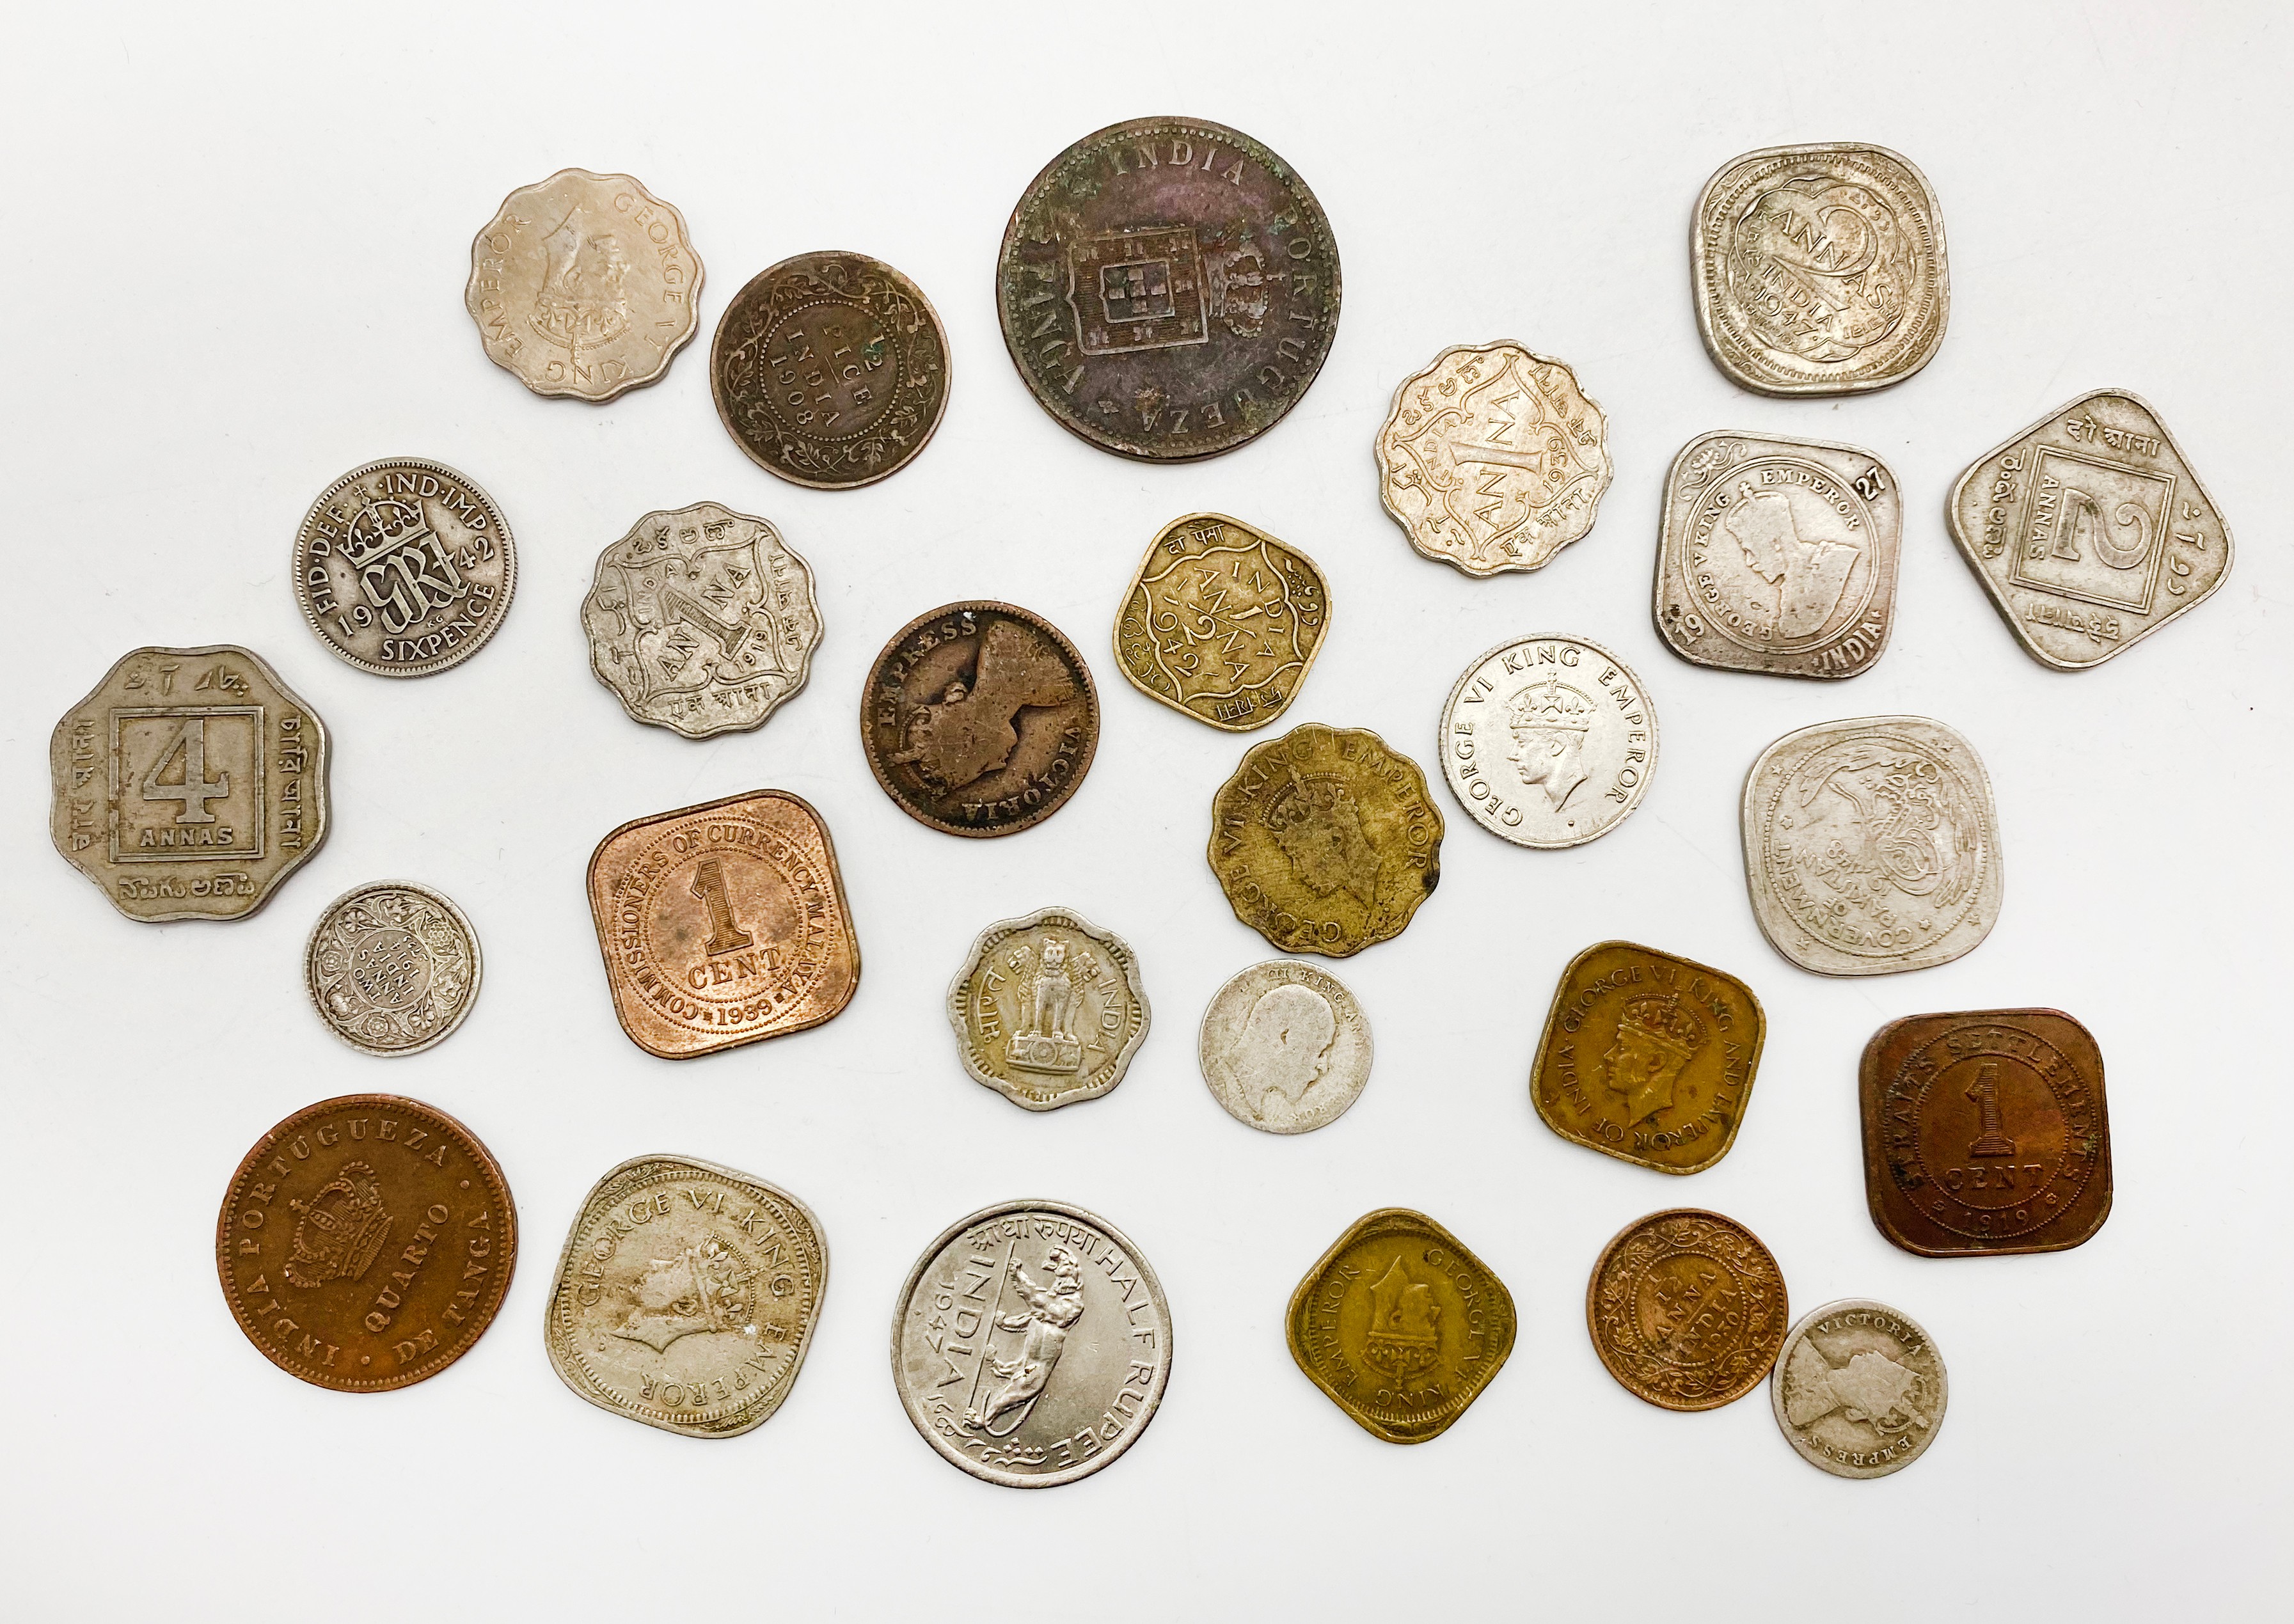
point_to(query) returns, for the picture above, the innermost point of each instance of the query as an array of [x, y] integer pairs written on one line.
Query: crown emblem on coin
[[1301, 796], [340, 1229], [1666, 1022], [381, 525], [1551, 703], [1404, 1318]]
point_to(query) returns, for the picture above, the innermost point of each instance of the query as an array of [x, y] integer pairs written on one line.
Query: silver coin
[[1872, 846], [1031, 1343], [392, 968], [1549, 742], [1284, 1047], [1048, 1009], [1859, 1389]]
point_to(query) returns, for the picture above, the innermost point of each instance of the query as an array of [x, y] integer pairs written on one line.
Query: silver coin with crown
[[1549, 742]]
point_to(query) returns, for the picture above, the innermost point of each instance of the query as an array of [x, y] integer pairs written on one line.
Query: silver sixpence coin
[[1031, 1343], [392, 968], [1859, 1389], [1549, 742], [1285, 1048]]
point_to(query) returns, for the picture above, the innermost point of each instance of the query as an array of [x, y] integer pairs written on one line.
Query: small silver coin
[[392, 968], [1549, 742], [1859, 1389], [1049, 1009], [1284, 1047]]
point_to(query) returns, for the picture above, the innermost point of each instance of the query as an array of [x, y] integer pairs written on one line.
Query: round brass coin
[[392, 968], [1686, 1308], [1222, 622], [366, 1243]]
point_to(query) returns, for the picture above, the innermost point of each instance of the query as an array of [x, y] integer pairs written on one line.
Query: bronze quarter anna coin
[[1686, 1308], [1985, 1132], [1222, 622], [830, 370], [1168, 289], [980, 719], [366, 1243]]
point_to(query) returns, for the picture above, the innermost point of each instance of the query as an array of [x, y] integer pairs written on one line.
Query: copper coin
[[1168, 289], [830, 370], [1985, 1132], [365, 1243], [1686, 1308], [980, 719]]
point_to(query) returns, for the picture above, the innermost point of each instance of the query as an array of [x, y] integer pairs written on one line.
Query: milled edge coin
[[1099, 1080], [1803, 1382], [1760, 1355], [1627, 706], [1340, 1064], [454, 1017], [1302, 597]]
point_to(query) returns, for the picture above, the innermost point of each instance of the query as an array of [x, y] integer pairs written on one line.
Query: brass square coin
[[1221, 622]]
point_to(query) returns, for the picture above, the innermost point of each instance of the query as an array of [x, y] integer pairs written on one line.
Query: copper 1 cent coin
[[830, 370], [365, 1243], [1168, 289], [980, 719], [1686, 1308]]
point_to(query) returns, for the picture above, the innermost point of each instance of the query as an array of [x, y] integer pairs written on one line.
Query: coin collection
[[1168, 290]]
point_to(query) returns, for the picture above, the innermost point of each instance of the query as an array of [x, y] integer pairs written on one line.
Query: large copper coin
[[365, 1243], [1985, 1132], [1222, 622], [1686, 1308], [723, 924], [980, 719], [1168, 289]]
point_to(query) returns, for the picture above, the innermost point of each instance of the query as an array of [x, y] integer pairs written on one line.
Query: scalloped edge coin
[[1103, 1078]]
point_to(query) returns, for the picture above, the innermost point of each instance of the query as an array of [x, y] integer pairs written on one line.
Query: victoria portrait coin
[[1031, 1344], [404, 567], [1284, 1047], [830, 370], [2090, 531], [1859, 1389], [1686, 1308], [1168, 289], [188, 783], [686, 1296], [1778, 556], [1549, 742], [584, 285], [1819, 269], [702, 621], [1048, 1009], [366, 1243], [392, 968], [1222, 622], [980, 719], [1872, 846], [1492, 458]]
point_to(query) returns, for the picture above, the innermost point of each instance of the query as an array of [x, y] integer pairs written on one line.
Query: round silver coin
[[1549, 742], [392, 968], [1285, 1048], [1859, 1389], [1031, 1344]]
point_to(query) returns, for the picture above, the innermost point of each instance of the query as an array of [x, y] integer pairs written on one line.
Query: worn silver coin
[[1284, 1047], [392, 968], [1549, 742], [1859, 1389]]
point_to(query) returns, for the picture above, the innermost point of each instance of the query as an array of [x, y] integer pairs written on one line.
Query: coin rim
[[1289, 966], [469, 933], [1593, 1324], [1792, 1433], [1442, 727], [1002, 931]]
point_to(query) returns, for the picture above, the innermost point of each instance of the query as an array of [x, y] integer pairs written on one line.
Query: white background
[[237, 251]]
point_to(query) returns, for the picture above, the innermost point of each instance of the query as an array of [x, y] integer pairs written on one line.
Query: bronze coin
[[365, 1243], [1168, 289], [1985, 1132], [980, 719], [830, 370], [1686, 1308]]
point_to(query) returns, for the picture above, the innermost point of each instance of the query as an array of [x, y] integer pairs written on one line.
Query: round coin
[[1168, 289], [404, 567], [365, 1243], [1284, 1047], [1549, 742], [1859, 1389], [1222, 622], [1048, 1009], [1031, 1344], [584, 285], [1686, 1308], [392, 968], [980, 719], [830, 370]]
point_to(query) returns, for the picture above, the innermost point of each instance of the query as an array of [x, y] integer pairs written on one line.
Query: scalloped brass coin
[[1400, 1326], [1686, 1308], [1048, 1009], [1221, 622]]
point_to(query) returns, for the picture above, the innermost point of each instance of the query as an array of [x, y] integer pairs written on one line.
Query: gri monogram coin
[[392, 968], [1549, 742], [1860, 1389], [404, 567], [1686, 1308], [1285, 1048], [1049, 1009]]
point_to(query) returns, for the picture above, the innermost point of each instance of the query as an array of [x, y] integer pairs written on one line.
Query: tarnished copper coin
[[830, 370], [365, 1243], [1985, 1132], [1222, 622], [1168, 289], [723, 924], [980, 719], [1686, 1308]]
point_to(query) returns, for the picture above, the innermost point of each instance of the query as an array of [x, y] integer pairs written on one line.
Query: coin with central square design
[[1648, 1058], [1048, 1009], [723, 924], [1222, 622]]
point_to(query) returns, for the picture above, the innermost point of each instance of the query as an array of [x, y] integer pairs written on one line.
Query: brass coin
[[366, 1243], [1686, 1308], [980, 719], [1168, 289], [830, 370], [1986, 1132], [723, 924], [1400, 1326], [1648, 1056], [188, 783], [1325, 840], [392, 968], [1222, 622]]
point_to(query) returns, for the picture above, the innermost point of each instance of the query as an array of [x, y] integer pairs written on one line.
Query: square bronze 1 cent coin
[[723, 924], [1648, 1058], [1985, 1132]]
